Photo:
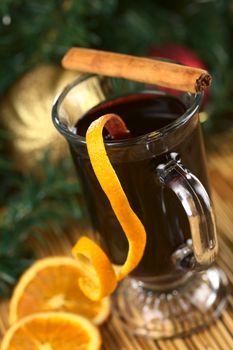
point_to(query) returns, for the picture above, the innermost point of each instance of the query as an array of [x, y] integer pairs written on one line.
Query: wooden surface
[[219, 336]]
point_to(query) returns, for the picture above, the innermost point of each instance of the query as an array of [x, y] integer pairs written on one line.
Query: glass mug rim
[[143, 139]]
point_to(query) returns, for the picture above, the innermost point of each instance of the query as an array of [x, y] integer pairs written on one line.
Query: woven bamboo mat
[[219, 336]]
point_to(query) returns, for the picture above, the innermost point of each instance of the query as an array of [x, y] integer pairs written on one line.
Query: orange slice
[[51, 284], [97, 263], [52, 331]]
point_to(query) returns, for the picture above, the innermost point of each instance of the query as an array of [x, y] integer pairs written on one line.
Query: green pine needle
[[36, 204]]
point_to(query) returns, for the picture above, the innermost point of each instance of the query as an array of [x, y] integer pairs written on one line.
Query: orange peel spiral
[[101, 276]]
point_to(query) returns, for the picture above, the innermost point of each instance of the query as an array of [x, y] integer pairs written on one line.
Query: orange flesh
[[51, 284], [52, 331]]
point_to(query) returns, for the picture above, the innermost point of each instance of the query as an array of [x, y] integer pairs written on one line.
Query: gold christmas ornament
[[26, 112]]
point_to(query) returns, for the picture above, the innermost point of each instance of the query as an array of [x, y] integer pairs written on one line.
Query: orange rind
[[99, 268], [100, 278]]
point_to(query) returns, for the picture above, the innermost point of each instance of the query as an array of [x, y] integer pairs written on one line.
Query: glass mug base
[[178, 311]]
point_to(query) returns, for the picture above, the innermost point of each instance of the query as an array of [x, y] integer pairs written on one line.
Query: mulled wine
[[135, 160]]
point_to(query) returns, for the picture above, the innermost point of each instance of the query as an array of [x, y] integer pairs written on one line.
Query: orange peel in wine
[[101, 276]]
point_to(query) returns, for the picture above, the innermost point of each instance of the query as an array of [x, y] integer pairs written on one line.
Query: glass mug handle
[[202, 249]]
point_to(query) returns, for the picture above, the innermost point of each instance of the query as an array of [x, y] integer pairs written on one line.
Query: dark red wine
[[143, 113], [135, 163]]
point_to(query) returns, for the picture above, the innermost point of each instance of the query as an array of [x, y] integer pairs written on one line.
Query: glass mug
[[174, 290]]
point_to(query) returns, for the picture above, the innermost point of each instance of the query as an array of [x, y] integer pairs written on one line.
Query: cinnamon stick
[[141, 69]]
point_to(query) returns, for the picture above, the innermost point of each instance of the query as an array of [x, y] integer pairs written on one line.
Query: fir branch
[[38, 204], [10, 270]]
